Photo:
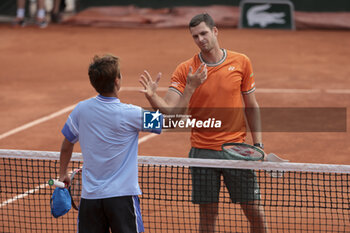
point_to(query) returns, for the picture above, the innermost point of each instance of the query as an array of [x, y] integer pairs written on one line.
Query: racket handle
[[57, 183], [271, 157], [274, 158]]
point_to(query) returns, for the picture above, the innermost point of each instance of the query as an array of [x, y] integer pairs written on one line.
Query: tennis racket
[[271, 157], [242, 151], [74, 188]]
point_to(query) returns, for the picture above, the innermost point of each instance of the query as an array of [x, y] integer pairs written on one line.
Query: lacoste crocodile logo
[[258, 15]]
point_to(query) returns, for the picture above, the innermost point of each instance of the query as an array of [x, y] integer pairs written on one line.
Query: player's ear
[[118, 82], [215, 30]]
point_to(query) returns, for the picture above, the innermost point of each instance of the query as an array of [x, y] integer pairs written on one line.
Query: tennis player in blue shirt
[[108, 134]]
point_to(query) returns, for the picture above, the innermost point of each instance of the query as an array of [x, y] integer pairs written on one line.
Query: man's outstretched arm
[[173, 102], [65, 156]]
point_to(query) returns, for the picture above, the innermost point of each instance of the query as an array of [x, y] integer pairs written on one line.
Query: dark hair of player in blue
[[102, 73]]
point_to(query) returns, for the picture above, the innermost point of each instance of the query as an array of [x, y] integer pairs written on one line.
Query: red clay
[[43, 71]]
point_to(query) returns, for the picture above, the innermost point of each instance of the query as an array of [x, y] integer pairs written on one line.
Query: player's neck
[[112, 94], [213, 56]]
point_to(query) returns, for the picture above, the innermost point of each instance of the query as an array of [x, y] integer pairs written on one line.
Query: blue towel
[[60, 202]]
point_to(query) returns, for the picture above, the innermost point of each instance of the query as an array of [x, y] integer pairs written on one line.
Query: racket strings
[[244, 151], [75, 188]]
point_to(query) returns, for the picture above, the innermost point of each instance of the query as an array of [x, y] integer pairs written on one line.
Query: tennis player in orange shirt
[[215, 79]]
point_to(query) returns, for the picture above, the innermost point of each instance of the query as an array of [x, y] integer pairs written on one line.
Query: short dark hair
[[205, 17], [102, 73]]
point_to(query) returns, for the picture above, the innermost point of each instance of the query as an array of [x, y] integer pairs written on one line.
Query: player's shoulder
[[129, 111], [90, 102], [190, 62], [82, 107], [84, 103], [130, 107], [236, 55], [95, 101]]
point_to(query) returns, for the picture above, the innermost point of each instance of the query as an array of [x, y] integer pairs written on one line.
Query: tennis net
[[299, 198]]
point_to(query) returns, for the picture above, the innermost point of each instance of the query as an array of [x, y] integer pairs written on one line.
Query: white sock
[[20, 13], [41, 13]]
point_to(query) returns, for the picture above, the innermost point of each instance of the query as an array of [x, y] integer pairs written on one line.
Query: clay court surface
[[45, 71]]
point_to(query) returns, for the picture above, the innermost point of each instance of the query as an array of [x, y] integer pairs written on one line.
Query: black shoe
[[19, 22], [42, 23], [56, 18]]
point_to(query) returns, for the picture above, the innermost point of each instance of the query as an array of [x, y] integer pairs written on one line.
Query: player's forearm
[[254, 122], [158, 102], [185, 99], [65, 156], [172, 108]]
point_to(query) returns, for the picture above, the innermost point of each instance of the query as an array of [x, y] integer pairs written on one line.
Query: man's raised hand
[[197, 78], [150, 86]]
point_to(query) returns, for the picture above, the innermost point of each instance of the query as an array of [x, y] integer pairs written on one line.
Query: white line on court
[[287, 91], [147, 137], [338, 91], [36, 122], [21, 196]]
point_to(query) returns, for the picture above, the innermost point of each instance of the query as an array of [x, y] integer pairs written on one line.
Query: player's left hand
[[195, 79], [65, 178], [150, 86]]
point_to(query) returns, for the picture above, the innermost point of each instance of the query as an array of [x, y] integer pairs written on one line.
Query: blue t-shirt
[[108, 134]]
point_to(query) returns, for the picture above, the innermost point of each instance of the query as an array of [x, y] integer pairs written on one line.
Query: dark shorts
[[117, 214], [241, 184]]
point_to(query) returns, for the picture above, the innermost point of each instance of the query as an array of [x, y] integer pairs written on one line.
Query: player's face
[[204, 37]]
